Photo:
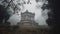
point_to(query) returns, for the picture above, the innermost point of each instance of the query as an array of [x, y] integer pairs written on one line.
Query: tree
[[3, 14], [54, 19]]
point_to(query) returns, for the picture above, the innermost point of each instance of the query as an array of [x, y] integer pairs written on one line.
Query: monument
[[27, 19]]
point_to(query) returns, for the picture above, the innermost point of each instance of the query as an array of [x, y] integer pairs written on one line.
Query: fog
[[34, 7]]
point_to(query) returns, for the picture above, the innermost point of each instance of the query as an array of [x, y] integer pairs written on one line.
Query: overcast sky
[[31, 8]]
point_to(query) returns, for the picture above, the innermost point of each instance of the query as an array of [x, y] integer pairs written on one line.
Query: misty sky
[[33, 7]]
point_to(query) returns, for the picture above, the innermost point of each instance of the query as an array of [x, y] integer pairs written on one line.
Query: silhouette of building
[[27, 19]]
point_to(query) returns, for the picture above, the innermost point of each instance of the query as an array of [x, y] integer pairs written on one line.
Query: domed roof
[[27, 12]]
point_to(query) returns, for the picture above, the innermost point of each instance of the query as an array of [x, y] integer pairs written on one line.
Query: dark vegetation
[[54, 22], [3, 14]]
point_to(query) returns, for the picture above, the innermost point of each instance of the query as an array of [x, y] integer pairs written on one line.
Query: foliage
[[53, 16], [3, 14], [7, 5]]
